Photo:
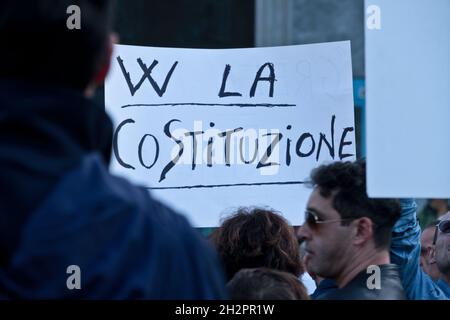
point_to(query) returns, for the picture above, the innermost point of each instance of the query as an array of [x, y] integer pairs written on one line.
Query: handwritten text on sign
[[211, 129]]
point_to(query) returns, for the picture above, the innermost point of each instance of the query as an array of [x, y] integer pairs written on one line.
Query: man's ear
[[431, 254], [106, 61], [363, 230]]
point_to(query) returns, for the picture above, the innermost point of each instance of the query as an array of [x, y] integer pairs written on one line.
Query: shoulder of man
[[119, 237], [445, 287]]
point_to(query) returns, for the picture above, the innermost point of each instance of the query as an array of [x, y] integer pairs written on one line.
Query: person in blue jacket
[[405, 252], [68, 227]]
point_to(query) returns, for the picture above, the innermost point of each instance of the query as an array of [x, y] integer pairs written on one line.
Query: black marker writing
[[146, 75], [180, 144]]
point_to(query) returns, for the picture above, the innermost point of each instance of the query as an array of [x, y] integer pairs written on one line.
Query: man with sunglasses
[[405, 252], [347, 235]]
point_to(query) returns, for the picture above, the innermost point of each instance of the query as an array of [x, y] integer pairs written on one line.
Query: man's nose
[[303, 233]]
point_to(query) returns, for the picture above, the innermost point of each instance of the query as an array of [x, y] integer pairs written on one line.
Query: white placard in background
[[408, 98], [244, 126]]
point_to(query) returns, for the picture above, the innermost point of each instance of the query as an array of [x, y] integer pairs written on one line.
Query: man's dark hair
[[38, 46], [266, 284], [254, 238], [346, 183]]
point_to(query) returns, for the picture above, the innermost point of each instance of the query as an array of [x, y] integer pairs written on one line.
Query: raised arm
[[405, 252]]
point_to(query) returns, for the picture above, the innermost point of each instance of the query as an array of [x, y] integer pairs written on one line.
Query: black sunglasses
[[313, 220], [444, 227]]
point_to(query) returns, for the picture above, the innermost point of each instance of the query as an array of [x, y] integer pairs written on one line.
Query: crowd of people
[[60, 206]]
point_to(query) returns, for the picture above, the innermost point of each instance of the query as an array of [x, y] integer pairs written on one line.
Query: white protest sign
[[408, 98], [211, 130]]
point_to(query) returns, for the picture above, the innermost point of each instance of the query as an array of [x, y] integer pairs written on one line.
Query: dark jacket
[[325, 287], [357, 289], [59, 206]]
